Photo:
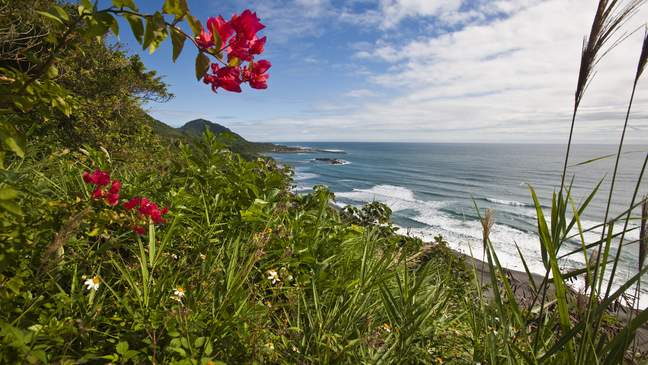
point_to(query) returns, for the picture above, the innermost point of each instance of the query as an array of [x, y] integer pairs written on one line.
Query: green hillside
[[194, 129]]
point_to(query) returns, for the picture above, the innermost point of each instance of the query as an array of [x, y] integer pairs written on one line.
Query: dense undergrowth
[[240, 270], [243, 270], [266, 275]]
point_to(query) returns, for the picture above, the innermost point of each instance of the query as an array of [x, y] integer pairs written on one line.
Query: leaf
[[178, 40], [52, 72], [125, 3], [8, 194], [178, 8], [218, 42], [11, 207], [148, 33], [51, 17], [12, 139], [202, 65], [114, 27], [61, 12], [155, 32], [195, 25], [136, 26], [122, 347], [234, 62]]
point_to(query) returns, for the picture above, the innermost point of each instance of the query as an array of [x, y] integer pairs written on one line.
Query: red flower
[[256, 74], [132, 203], [98, 177], [139, 230], [227, 77], [247, 24], [97, 193], [115, 187], [258, 45], [205, 39], [220, 26], [112, 199], [240, 48]]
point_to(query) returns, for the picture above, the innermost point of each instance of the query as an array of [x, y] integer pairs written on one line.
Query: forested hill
[[194, 129]]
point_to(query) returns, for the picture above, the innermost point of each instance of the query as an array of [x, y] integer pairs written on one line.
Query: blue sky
[[410, 70]]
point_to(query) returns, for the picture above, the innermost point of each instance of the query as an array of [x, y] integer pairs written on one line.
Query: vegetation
[[240, 270]]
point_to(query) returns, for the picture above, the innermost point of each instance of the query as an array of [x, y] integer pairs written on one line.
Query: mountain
[[194, 129]]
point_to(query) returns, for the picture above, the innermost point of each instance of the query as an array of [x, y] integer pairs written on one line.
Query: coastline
[[523, 291]]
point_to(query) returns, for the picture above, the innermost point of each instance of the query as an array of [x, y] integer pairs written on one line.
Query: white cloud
[[396, 10], [360, 93], [508, 79]]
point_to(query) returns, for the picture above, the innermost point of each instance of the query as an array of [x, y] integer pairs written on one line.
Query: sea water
[[432, 189]]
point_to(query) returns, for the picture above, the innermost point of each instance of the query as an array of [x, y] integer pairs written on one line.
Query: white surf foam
[[340, 162], [512, 203], [301, 176], [466, 235]]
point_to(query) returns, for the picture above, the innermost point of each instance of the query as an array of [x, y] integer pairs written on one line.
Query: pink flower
[[246, 24], [98, 177]]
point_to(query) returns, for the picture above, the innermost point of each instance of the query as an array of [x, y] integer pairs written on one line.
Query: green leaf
[[218, 42], [122, 347], [8, 194], [155, 32], [178, 41], [61, 12], [125, 4], [51, 17], [11, 207], [178, 8], [136, 26], [13, 141], [52, 72], [202, 65], [148, 33], [195, 25], [199, 342], [114, 27]]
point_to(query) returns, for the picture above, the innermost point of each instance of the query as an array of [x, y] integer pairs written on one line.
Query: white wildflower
[[92, 283], [178, 294], [273, 276]]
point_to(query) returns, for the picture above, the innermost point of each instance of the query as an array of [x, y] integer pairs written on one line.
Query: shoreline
[[523, 291]]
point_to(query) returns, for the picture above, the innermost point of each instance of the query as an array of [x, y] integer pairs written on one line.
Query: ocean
[[432, 189]]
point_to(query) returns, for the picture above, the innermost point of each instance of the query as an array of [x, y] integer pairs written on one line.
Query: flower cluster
[[146, 209], [237, 38], [101, 179]]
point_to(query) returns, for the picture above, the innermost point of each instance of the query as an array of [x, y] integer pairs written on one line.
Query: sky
[[414, 71]]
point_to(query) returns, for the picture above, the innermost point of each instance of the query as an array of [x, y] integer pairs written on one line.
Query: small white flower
[[203, 256], [92, 283], [178, 294], [174, 256], [273, 276], [295, 349]]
